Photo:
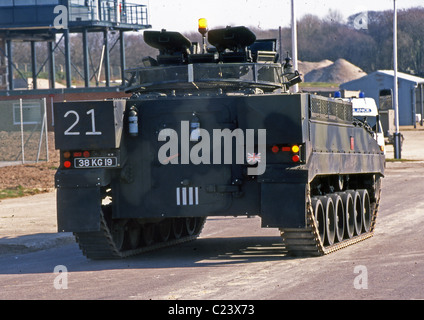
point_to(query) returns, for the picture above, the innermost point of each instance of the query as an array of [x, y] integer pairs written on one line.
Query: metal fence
[[23, 131]]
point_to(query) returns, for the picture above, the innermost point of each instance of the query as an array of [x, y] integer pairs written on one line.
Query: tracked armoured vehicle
[[214, 132]]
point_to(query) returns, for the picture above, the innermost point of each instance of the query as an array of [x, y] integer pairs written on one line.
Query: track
[[133, 237], [325, 233], [335, 220]]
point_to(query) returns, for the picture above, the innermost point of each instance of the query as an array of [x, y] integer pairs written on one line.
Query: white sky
[[182, 15]]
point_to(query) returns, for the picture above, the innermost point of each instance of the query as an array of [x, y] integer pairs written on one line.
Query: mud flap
[[283, 205], [78, 210], [79, 199]]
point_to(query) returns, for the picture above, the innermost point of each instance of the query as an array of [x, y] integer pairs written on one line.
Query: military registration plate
[[96, 162]]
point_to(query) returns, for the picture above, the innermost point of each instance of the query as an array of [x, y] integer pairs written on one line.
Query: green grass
[[400, 160], [18, 192]]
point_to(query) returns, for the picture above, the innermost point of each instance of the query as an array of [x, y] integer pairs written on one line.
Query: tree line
[[370, 47]]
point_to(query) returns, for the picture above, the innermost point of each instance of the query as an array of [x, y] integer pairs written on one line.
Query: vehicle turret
[[233, 62]]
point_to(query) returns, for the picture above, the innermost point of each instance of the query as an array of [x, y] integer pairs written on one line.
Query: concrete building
[[411, 92]]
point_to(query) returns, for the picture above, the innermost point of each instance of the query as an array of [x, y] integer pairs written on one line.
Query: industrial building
[[411, 92]]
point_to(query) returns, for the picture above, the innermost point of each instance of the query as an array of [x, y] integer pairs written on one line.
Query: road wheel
[[177, 227], [330, 220], [164, 230], [190, 224], [340, 216], [319, 215], [366, 210], [349, 214]]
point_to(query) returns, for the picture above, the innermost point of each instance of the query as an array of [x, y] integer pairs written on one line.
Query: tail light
[[296, 158], [294, 150], [68, 157]]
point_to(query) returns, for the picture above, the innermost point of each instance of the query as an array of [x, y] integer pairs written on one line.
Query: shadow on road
[[203, 252]]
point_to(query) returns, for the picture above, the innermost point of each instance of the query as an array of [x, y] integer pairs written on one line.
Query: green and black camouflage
[[214, 132]]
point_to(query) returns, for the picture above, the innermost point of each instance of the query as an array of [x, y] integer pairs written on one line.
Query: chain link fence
[[23, 131]]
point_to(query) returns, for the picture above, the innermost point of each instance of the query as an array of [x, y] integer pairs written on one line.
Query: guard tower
[[43, 20]]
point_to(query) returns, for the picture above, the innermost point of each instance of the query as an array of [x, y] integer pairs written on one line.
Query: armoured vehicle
[[214, 131]]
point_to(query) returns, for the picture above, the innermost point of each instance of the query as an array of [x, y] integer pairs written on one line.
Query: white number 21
[[93, 131]]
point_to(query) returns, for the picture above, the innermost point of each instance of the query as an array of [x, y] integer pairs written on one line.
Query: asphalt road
[[235, 259]]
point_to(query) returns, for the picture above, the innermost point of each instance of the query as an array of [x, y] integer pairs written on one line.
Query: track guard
[[79, 199], [283, 205], [78, 210]]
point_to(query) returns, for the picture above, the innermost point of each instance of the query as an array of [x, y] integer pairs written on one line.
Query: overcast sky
[[182, 15]]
